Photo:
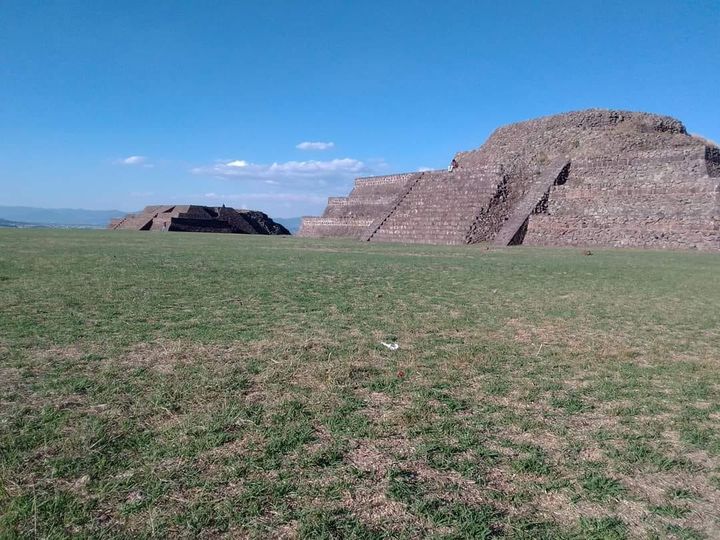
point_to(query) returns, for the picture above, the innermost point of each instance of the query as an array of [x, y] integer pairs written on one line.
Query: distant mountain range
[[292, 224], [28, 216], [4, 223]]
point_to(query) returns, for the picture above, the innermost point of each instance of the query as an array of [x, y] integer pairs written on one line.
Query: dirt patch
[[288, 531], [367, 458], [164, 356], [560, 508], [536, 335], [11, 380], [383, 409], [371, 505], [549, 442], [702, 499]]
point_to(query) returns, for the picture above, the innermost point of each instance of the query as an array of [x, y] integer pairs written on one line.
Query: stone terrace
[[350, 216]]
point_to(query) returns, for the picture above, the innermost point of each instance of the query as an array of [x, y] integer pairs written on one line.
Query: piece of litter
[[391, 346]]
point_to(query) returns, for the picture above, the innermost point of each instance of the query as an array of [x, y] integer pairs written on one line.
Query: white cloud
[[238, 163], [289, 170], [424, 169], [134, 160], [307, 145]]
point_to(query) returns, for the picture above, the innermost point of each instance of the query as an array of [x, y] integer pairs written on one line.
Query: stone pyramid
[[193, 218], [587, 178]]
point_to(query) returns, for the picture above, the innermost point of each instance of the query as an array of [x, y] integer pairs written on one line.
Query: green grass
[[182, 385], [600, 487]]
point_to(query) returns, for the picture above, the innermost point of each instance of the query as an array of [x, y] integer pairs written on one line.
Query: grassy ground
[[207, 385]]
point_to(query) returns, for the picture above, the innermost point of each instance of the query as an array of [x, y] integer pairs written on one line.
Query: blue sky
[[119, 104]]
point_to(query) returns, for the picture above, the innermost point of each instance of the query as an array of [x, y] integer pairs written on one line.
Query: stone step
[[633, 207], [416, 223], [351, 228], [605, 189], [352, 211], [136, 223], [375, 192], [610, 222], [412, 231], [661, 180], [633, 158], [421, 240], [419, 230], [544, 230], [439, 206]]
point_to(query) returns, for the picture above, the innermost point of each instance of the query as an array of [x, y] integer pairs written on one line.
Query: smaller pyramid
[[193, 218]]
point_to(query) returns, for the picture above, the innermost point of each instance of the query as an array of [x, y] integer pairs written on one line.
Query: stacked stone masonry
[[352, 215], [193, 218], [588, 178]]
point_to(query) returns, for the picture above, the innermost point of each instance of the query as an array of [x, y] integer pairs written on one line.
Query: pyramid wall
[[588, 178], [665, 198]]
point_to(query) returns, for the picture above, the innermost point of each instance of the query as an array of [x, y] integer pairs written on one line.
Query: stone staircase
[[437, 207], [369, 202], [142, 223], [525, 206], [150, 218], [117, 223], [166, 218], [377, 223]]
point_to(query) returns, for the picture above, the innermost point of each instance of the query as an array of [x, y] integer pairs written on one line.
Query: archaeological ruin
[[588, 178], [192, 218]]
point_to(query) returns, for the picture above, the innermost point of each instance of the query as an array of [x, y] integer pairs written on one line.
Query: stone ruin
[[191, 218], [588, 178]]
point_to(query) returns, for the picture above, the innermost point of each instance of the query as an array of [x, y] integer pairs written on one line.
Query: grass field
[[180, 385]]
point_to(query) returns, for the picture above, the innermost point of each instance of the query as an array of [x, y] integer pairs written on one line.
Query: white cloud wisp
[[309, 145], [290, 170], [134, 160]]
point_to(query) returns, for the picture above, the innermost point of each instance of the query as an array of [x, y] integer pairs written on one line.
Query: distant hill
[[292, 224], [64, 217], [9, 224]]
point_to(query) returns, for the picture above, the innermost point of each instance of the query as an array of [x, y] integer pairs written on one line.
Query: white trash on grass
[[391, 346]]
